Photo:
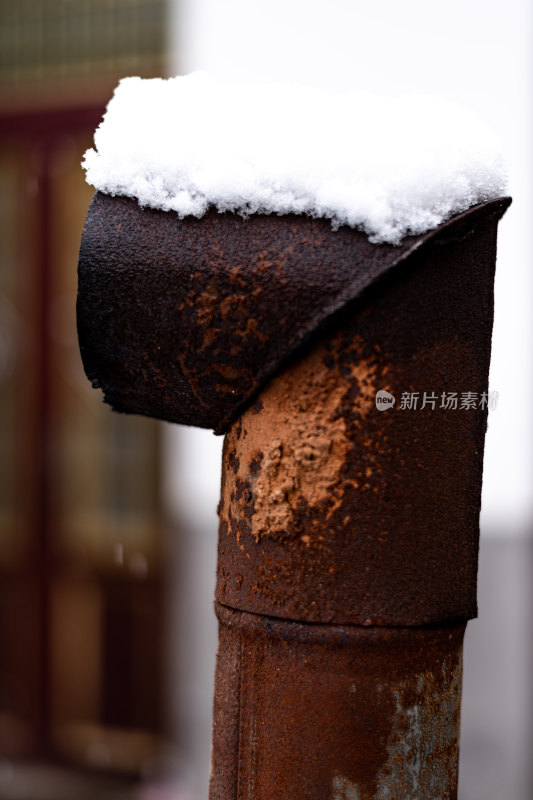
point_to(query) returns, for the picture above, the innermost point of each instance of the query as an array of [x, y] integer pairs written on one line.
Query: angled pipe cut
[[348, 533]]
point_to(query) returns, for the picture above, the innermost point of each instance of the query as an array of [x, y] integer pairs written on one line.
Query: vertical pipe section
[[335, 712]]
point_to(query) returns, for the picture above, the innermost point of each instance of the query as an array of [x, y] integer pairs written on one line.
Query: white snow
[[389, 166]]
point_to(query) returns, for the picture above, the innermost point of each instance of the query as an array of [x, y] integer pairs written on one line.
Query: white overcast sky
[[475, 52]]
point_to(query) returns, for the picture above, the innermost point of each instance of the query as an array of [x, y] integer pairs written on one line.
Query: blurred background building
[[108, 522], [82, 606]]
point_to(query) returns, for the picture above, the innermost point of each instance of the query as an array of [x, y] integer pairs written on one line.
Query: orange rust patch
[[305, 408]]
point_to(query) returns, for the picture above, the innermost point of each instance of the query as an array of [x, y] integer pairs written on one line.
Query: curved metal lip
[[122, 239]]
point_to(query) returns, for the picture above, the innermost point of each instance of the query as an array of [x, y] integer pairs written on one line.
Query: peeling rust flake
[[300, 465]]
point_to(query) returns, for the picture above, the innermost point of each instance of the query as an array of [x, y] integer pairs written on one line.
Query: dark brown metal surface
[[319, 712], [187, 319], [334, 511]]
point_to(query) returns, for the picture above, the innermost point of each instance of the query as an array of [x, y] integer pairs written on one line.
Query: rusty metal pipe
[[348, 535], [336, 712]]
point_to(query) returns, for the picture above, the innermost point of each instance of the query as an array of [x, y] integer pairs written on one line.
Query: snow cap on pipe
[[390, 166]]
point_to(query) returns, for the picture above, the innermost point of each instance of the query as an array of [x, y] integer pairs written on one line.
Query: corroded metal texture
[[348, 534], [334, 511], [320, 712], [187, 320]]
